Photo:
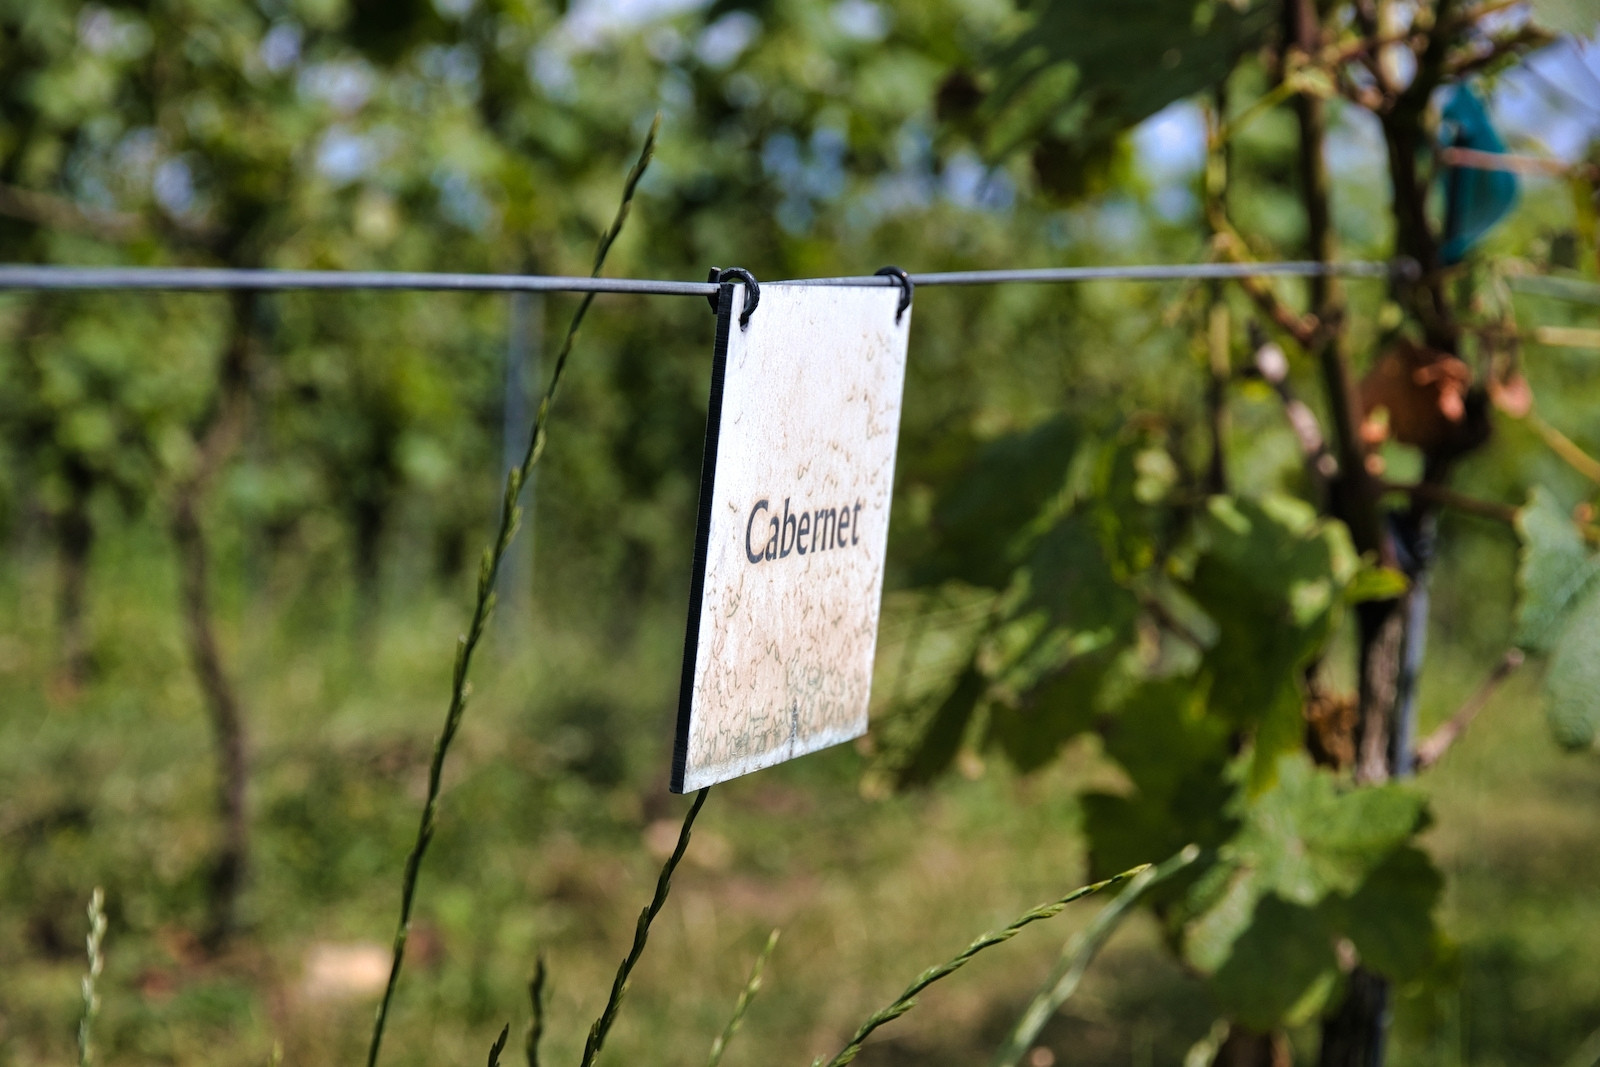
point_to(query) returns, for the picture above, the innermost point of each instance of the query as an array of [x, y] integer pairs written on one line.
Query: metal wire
[[1153, 272], [203, 279], [211, 279]]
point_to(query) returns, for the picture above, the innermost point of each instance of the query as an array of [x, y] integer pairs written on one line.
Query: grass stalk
[[908, 999], [1079, 953], [641, 934], [536, 995], [499, 1045], [488, 572], [97, 962], [752, 986]]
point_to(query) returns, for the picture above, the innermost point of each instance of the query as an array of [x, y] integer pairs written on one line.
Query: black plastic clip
[[905, 288], [752, 289]]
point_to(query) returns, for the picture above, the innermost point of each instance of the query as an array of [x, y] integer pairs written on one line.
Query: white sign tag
[[794, 519]]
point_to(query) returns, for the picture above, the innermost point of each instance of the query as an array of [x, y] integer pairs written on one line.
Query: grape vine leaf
[[1376, 583], [1572, 684], [1032, 730], [1176, 757], [1314, 860], [1070, 580], [1271, 577], [1555, 570], [1280, 969], [984, 519], [1390, 918], [1558, 612], [1565, 16], [1078, 74], [941, 738], [1309, 835]]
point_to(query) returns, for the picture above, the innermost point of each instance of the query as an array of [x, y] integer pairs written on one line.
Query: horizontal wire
[[199, 279], [202, 279], [1152, 272]]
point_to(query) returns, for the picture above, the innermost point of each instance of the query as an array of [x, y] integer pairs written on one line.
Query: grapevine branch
[[1435, 745]]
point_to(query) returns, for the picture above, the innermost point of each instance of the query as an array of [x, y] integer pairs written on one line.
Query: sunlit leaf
[[1554, 571], [980, 519], [1390, 919], [1572, 685], [1566, 16], [941, 739], [1078, 74], [1376, 583], [1279, 969], [1270, 576]]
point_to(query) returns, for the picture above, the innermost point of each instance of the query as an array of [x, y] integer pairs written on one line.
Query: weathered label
[[794, 518]]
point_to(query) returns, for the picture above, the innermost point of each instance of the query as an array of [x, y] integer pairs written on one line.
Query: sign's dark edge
[[702, 536]]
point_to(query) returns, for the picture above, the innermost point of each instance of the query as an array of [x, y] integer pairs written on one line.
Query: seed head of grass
[[908, 999], [97, 962], [752, 986], [483, 607]]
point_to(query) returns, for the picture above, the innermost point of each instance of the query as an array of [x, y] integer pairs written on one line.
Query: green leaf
[[1572, 684], [1376, 583], [1280, 969], [1057, 709], [941, 740], [1390, 919], [1558, 612], [1164, 739], [983, 519], [1566, 16], [1305, 839], [1176, 755], [1068, 579], [1132, 479], [1225, 899], [1554, 571], [1271, 577], [1314, 860], [1310, 835], [1081, 73]]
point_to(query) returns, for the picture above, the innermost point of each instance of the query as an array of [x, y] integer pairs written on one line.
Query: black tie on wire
[[752, 289], [905, 288]]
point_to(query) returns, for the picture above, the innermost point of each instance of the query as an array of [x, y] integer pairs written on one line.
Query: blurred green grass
[[556, 817]]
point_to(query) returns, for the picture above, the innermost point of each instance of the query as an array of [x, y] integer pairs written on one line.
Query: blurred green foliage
[[1064, 596]]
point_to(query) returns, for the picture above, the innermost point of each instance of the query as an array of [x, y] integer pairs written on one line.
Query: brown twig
[[58, 213], [1217, 325], [1524, 39], [1433, 747], [1566, 448], [1321, 465], [54, 212], [1433, 493], [1369, 97], [1352, 497], [1303, 329]]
